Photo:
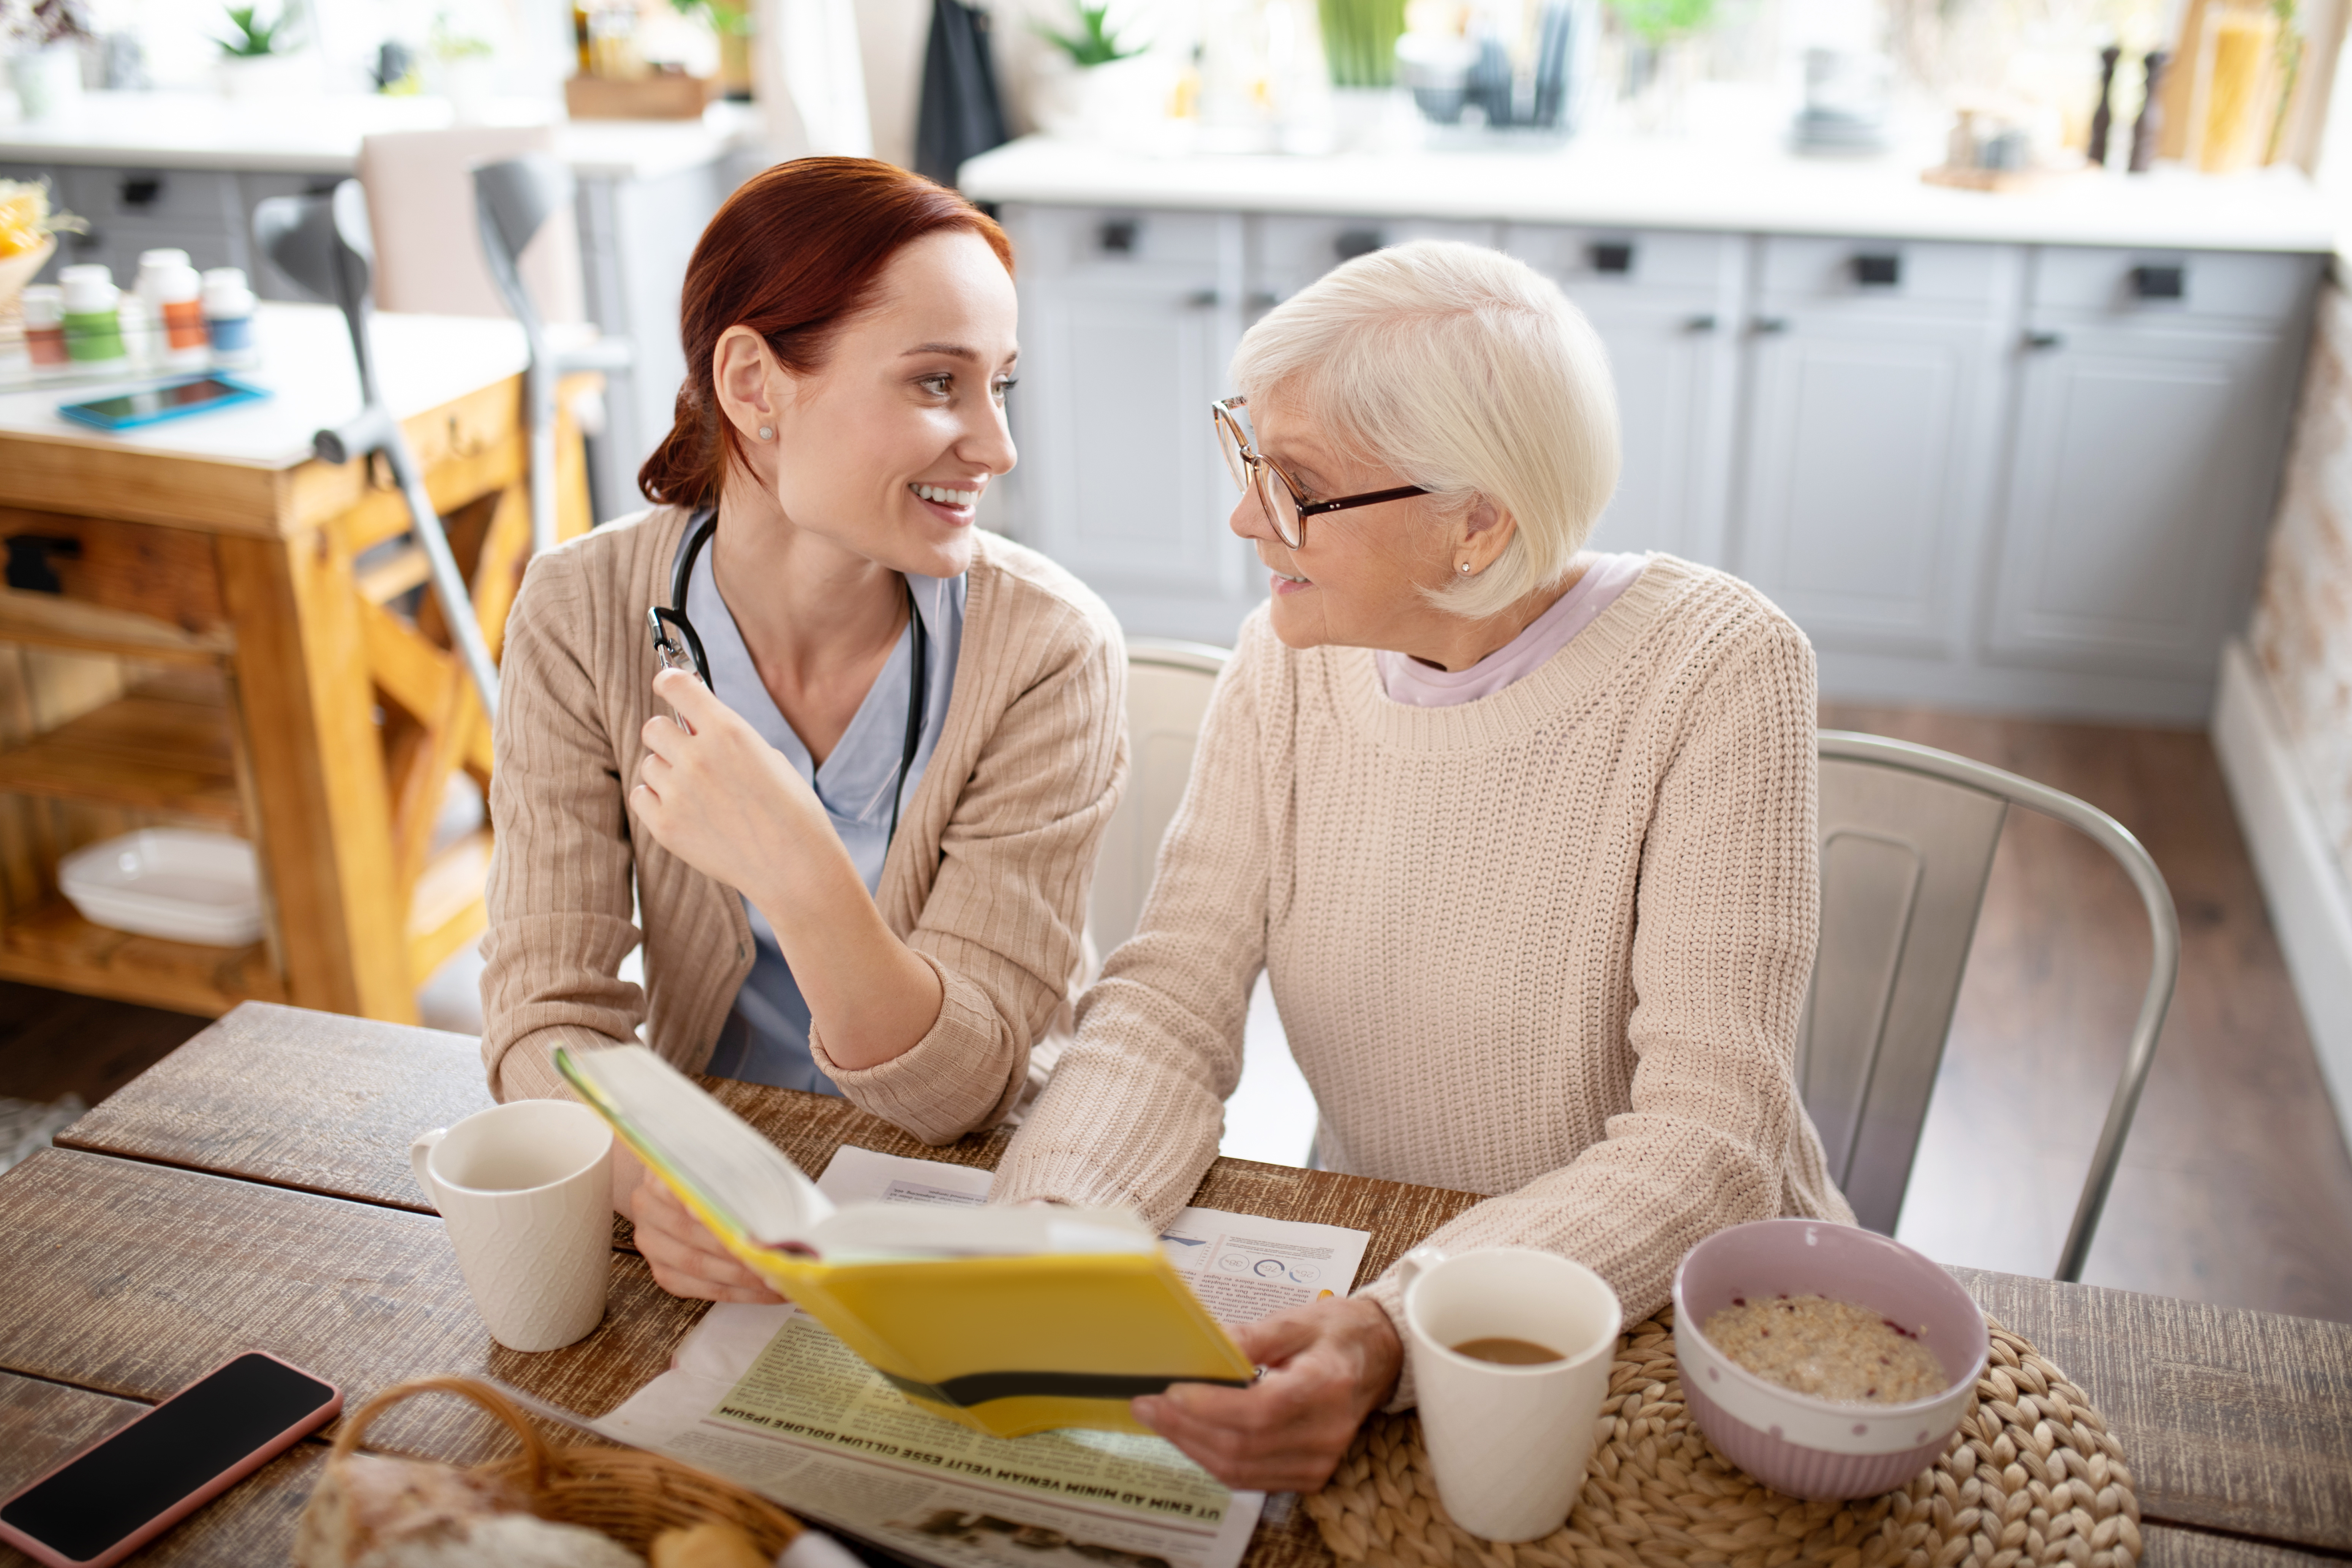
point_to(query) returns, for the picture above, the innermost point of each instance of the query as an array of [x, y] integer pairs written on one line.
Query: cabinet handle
[[2044, 340], [1767, 326], [1202, 300], [1698, 323], [29, 568], [1612, 256], [142, 190], [2159, 282], [1878, 270], [1264, 300]]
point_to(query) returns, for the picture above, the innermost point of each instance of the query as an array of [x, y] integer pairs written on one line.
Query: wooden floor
[[53, 1043], [2235, 1185]]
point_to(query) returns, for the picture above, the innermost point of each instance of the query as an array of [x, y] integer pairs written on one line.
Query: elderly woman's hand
[[723, 799], [1328, 1366]]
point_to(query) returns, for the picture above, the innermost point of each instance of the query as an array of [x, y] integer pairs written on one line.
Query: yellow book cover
[[1012, 1320]]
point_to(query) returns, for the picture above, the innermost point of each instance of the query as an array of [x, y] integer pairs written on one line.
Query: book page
[[765, 1396]]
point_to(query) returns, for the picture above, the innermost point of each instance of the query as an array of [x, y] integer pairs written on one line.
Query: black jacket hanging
[[962, 114]]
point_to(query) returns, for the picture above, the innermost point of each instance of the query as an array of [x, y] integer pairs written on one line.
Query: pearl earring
[[767, 433], [1465, 568]]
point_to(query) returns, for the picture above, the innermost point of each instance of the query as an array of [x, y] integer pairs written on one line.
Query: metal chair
[[1907, 836], [1168, 687], [512, 200]]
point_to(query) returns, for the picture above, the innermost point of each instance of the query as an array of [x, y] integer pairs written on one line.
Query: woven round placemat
[[2032, 1477]]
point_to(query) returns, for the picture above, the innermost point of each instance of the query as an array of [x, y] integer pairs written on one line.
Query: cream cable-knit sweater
[[1549, 945]]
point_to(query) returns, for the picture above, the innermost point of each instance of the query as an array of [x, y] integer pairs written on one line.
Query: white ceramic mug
[[1509, 1443], [526, 1192]]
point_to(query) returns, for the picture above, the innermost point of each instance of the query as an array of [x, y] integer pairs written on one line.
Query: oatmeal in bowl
[[1826, 1362]]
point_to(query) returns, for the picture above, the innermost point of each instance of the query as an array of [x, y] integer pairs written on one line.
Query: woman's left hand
[[1328, 1366], [721, 798]]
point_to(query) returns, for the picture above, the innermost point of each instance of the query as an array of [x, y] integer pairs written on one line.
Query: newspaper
[[767, 1397]]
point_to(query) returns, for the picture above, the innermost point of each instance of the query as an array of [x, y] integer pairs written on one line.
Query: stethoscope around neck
[[679, 646]]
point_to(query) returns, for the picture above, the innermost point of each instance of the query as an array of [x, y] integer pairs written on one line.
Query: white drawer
[[1592, 259], [1293, 251], [155, 195], [1067, 239], [1915, 272], [2238, 285]]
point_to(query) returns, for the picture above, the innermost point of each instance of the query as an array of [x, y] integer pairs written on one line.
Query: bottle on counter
[[93, 322], [143, 335], [44, 308], [228, 318], [173, 294]]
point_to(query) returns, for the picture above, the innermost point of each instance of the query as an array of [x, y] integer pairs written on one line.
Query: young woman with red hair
[[859, 854]]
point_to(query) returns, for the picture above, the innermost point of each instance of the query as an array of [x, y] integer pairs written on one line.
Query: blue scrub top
[[766, 1035]]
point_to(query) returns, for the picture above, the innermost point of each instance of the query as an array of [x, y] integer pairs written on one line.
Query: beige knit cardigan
[[986, 882], [1549, 945]]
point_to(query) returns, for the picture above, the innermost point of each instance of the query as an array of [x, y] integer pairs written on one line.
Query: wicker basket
[[626, 1494]]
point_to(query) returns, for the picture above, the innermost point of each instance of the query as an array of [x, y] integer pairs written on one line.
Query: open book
[[1009, 1320]]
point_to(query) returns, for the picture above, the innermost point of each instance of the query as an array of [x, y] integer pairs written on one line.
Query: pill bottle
[[92, 314], [228, 318], [174, 298], [44, 307]]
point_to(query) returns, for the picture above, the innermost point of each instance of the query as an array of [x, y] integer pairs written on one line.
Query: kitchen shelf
[[53, 945], [165, 747]]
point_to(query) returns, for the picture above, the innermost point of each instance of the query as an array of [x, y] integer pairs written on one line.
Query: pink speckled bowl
[[1793, 1442]]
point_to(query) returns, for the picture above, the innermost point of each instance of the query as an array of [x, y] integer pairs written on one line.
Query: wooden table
[[253, 1189], [204, 626]]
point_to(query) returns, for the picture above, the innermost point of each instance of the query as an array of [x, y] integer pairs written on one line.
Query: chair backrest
[[1168, 687], [1904, 859], [420, 191], [1907, 838]]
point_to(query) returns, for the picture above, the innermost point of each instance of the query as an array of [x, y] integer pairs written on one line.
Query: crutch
[[511, 200], [323, 244]]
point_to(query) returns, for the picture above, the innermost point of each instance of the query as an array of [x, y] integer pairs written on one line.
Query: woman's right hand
[[687, 1259]]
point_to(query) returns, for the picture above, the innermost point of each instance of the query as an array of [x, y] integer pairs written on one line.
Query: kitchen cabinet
[[1667, 308], [1987, 473], [2150, 428], [1872, 435], [1127, 322]]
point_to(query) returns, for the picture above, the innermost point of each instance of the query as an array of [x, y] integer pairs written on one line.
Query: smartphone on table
[[123, 1490], [148, 405]]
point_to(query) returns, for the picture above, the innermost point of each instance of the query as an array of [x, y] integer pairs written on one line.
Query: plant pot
[[265, 76], [48, 80]]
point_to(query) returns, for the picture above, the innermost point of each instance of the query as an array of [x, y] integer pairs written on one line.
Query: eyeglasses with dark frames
[[1285, 504]]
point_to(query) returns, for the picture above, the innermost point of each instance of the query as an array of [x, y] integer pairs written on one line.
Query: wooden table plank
[[2231, 1420], [134, 1280], [252, 1523], [316, 1101], [2174, 1546]]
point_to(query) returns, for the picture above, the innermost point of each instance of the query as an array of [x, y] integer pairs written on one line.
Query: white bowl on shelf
[[171, 882]]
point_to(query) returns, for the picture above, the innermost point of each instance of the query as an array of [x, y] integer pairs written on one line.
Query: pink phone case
[[50, 1558]]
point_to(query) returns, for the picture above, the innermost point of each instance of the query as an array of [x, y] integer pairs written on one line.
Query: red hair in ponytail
[[794, 254]]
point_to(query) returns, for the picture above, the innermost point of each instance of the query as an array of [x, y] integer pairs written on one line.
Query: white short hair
[[1469, 374]]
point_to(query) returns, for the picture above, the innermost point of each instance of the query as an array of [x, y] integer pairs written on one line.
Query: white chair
[[1168, 687], [1907, 838]]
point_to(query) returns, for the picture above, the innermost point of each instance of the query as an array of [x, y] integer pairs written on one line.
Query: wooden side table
[[207, 627]]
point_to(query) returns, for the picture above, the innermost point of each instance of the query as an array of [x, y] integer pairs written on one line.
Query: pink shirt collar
[[1407, 680]]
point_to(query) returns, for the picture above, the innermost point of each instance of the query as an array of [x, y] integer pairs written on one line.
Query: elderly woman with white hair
[[1521, 835]]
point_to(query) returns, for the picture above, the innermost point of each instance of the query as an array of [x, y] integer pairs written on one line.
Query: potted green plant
[[1660, 60], [258, 54], [463, 70], [1095, 77], [45, 39]]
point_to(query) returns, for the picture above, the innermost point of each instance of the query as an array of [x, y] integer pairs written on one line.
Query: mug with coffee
[[1511, 1350], [526, 1192]]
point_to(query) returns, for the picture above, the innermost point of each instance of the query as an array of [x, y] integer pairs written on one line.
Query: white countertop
[[421, 362], [321, 135], [1685, 184]]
